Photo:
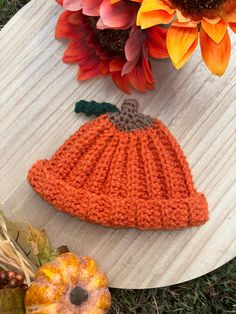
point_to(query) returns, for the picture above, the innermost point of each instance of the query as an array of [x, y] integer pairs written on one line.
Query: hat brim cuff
[[117, 212]]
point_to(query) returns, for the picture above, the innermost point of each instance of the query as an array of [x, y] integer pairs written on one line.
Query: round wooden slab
[[38, 93]]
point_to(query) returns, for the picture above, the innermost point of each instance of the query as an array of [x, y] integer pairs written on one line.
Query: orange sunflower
[[188, 19]]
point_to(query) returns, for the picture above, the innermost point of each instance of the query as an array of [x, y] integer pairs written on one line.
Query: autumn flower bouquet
[[118, 38]]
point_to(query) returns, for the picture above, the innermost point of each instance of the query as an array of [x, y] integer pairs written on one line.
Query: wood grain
[[37, 95]]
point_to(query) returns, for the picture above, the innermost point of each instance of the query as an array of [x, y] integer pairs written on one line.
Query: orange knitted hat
[[123, 169]]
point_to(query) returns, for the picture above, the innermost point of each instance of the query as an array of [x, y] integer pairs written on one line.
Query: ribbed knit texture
[[136, 178]]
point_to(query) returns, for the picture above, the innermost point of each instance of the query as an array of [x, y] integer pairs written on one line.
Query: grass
[[214, 293], [8, 8]]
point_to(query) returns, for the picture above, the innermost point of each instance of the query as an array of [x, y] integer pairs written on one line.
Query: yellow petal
[[184, 24], [216, 56], [215, 32], [181, 43], [181, 18], [152, 18], [212, 21], [155, 5], [154, 12]]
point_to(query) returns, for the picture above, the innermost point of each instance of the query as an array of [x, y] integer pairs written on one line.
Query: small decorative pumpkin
[[68, 285]]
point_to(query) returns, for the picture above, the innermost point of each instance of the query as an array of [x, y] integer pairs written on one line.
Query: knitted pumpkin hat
[[122, 169]]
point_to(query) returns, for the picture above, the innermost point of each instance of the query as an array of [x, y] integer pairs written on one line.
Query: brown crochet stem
[[128, 119]]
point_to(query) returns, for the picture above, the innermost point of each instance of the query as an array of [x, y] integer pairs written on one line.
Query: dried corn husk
[[11, 254]]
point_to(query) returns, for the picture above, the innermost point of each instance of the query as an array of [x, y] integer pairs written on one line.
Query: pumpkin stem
[[62, 249], [78, 295]]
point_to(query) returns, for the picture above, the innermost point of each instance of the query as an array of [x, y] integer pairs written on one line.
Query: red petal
[[89, 63], [72, 5], [104, 67], [147, 69], [77, 51], [85, 75], [118, 15], [121, 82], [60, 2], [129, 66], [101, 25], [156, 41], [116, 64], [69, 25], [91, 7], [136, 79], [233, 27], [133, 46]]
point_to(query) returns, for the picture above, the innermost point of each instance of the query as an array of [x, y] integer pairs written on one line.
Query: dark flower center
[[197, 6], [110, 39]]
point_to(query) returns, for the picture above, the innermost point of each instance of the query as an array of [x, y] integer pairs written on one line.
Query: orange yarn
[[137, 178]]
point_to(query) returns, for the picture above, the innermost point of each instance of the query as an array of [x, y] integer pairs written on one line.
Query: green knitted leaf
[[93, 108]]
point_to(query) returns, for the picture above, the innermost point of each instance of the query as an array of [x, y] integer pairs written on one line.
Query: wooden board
[[38, 93]]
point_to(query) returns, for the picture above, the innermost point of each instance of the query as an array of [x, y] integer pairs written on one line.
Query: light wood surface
[[38, 92]]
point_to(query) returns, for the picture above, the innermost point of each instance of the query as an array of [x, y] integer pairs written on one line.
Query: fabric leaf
[[39, 244], [12, 301]]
